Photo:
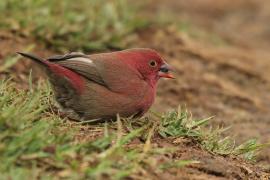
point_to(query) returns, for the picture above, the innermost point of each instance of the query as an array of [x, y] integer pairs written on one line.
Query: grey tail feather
[[33, 57]]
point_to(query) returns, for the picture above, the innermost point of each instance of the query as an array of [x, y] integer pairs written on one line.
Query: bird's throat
[[152, 81]]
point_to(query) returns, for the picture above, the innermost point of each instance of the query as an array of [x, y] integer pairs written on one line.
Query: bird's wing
[[81, 64], [104, 69]]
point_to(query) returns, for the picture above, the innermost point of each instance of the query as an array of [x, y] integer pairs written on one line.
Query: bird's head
[[148, 63]]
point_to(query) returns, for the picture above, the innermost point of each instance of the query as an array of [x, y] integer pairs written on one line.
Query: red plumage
[[75, 79], [99, 86]]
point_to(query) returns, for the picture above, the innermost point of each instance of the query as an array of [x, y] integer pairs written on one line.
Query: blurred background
[[220, 50]]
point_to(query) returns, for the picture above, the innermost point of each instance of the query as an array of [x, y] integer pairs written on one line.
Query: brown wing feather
[[104, 69], [81, 64]]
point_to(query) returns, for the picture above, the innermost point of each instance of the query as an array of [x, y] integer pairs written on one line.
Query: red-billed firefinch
[[99, 86]]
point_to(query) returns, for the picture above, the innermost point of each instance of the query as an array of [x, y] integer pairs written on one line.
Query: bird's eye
[[153, 63]]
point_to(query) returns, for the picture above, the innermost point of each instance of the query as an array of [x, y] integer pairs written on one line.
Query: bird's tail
[[34, 58], [58, 73]]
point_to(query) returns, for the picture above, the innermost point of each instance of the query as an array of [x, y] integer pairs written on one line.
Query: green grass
[[67, 25], [35, 143], [181, 124]]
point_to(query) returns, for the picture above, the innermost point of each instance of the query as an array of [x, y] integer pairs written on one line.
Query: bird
[[103, 86]]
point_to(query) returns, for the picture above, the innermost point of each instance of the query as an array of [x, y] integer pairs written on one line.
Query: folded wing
[[104, 69]]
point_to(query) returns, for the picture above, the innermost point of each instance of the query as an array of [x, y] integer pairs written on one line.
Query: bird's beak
[[164, 71]]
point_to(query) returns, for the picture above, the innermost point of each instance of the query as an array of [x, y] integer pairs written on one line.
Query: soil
[[210, 167], [228, 78], [223, 72]]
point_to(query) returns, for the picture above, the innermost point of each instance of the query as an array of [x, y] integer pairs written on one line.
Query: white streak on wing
[[85, 60]]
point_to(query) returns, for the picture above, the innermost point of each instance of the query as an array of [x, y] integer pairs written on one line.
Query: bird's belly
[[104, 104], [101, 103]]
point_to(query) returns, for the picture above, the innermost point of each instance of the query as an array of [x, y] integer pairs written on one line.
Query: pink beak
[[164, 71]]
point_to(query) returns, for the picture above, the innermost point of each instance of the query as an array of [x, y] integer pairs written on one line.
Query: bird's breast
[[147, 100]]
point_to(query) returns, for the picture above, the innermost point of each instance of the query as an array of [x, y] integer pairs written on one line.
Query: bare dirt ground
[[229, 79]]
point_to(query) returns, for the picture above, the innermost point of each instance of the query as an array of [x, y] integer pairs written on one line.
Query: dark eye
[[153, 63]]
